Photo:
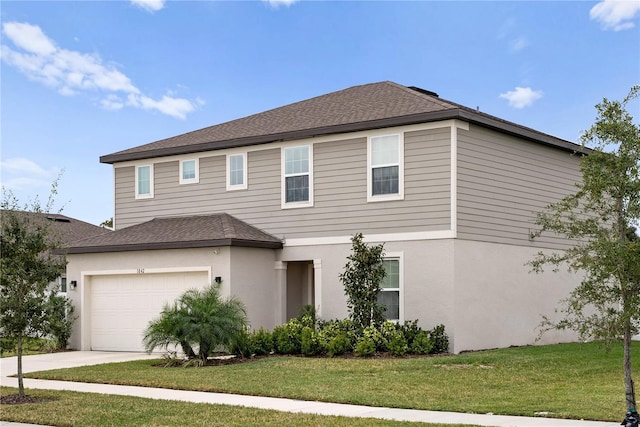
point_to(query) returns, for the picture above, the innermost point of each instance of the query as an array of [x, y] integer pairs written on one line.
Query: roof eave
[[170, 245], [454, 113], [522, 132]]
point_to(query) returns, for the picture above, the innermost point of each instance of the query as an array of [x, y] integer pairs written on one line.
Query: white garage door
[[123, 305]]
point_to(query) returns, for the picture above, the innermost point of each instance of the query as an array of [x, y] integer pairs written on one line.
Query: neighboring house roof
[[63, 228], [369, 106], [178, 233]]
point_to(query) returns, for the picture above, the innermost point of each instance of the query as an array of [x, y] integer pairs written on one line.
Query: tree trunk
[[630, 394], [19, 351]]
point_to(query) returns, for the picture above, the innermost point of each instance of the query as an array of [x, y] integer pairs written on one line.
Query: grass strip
[[579, 381], [75, 409]]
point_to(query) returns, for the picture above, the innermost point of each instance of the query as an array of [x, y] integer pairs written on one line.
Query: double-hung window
[[144, 182], [389, 296], [297, 177], [237, 171], [189, 173], [385, 179]]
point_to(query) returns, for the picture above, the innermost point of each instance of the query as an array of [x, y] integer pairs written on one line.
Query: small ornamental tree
[[200, 321], [598, 218], [27, 267], [362, 278]]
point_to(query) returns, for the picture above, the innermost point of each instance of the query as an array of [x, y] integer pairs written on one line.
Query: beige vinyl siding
[[504, 181], [340, 191]]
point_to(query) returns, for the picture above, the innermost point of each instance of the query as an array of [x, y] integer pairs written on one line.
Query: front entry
[[300, 287]]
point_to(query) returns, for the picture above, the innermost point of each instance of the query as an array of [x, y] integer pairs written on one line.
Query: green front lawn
[[75, 409], [568, 381]]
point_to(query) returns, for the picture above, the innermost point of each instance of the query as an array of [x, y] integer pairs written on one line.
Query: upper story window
[[237, 171], [189, 171], [297, 177], [385, 180], [144, 182], [389, 295]]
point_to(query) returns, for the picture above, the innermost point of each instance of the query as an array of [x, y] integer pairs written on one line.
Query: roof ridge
[[228, 226], [437, 99]]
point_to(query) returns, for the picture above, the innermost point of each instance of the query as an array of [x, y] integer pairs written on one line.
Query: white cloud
[[615, 15], [516, 45], [521, 97], [278, 3], [22, 165], [24, 174], [71, 72], [29, 37], [112, 102], [149, 5], [175, 107]]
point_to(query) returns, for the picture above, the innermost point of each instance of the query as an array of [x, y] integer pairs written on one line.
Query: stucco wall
[[252, 279], [498, 303]]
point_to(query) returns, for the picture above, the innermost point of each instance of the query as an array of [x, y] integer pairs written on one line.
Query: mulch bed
[[235, 360], [16, 399]]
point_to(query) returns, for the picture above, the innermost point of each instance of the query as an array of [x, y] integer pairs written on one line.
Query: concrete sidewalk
[[81, 358]]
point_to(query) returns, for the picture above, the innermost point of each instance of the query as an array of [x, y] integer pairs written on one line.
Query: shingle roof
[[179, 232], [64, 228], [363, 107]]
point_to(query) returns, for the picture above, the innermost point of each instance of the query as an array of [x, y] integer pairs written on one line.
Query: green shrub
[[421, 344], [261, 342], [308, 310], [307, 321], [339, 344], [60, 318], [309, 343], [397, 344], [376, 336], [287, 338], [365, 347], [242, 345], [388, 329], [440, 340], [7, 345], [328, 330], [410, 330]]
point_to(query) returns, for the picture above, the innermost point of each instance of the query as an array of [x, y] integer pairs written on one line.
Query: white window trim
[[244, 184], [194, 180], [293, 205], [386, 197], [144, 196], [400, 257]]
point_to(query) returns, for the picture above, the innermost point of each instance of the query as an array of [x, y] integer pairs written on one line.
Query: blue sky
[[88, 78]]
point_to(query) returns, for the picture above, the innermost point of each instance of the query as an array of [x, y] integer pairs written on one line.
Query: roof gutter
[[168, 245]]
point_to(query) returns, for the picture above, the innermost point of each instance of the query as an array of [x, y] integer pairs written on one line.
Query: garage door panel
[[123, 305]]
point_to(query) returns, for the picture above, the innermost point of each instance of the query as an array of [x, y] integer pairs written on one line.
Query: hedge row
[[305, 336]]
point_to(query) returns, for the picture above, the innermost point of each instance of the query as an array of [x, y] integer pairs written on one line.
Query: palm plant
[[199, 322]]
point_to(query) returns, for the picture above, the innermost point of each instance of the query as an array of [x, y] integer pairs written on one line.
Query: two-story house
[[267, 204]]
